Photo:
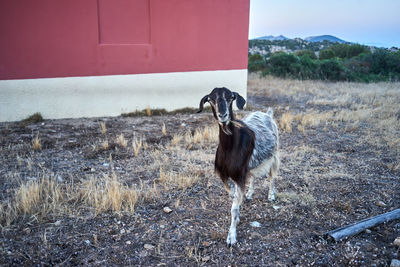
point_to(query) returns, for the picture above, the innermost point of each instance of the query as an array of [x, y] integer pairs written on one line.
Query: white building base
[[98, 96]]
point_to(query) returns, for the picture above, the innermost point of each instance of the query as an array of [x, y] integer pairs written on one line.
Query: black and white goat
[[247, 149]]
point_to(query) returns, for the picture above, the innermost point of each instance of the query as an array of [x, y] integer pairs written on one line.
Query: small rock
[[128, 242], [395, 263], [276, 207], [167, 210], [122, 231], [367, 231], [162, 226], [396, 242], [92, 169], [106, 164], [206, 243], [59, 178], [205, 259], [148, 246], [255, 224], [380, 203], [87, 242], [57, 223]]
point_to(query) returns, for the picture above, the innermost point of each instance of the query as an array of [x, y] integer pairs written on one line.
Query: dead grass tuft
[[285, 123], [171, 180], [103, 128], [122, 141], [137, 145], [200, 136], [108, 194], [36, 143], [105, 145], [176, 139], [148, 111]]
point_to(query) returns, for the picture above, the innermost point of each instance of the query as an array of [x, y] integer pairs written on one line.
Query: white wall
[[97, 96]]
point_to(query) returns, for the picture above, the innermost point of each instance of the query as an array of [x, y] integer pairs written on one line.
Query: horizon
[[367, 22]]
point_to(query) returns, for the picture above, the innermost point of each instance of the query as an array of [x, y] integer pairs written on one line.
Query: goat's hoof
[[248, 199], [271, 197], [231, 239]]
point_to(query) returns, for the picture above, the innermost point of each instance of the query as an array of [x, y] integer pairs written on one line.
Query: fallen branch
[[356, 228]]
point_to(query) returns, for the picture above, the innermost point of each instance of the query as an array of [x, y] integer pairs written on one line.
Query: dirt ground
[[336, 168]]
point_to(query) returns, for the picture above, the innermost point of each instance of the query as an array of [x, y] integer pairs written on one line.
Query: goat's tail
[[270, 112]]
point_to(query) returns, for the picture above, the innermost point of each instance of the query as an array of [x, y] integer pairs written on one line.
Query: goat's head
[[221, 100]]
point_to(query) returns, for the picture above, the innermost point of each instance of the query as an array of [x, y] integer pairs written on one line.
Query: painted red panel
[[47, 38], [124, 21]]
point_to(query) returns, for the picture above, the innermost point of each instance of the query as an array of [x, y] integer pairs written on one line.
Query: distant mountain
[[273, 38], [312, 39], [322, 38]]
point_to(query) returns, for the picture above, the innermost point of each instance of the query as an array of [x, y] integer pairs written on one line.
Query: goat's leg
[[250, 191], [235, 214], [230, 188], [273, 171], [271, 191]]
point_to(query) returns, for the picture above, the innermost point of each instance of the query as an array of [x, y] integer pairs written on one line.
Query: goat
[[247, 149]]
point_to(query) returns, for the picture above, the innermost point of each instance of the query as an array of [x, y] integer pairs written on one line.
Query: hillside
[[273, 38], [321, 38]]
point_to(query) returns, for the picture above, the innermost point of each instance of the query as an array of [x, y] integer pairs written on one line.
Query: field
[[142, 190]]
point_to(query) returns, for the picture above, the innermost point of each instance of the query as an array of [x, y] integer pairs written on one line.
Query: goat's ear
[[202, 101], [239, 100]]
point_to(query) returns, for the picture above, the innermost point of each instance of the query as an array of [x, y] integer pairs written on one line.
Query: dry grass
[[122, 141], [200, 136], [47, 197], [108, 194], [137, 145], [103, 128], [176, 139], [148, 111], [285, 122], [181, 181], [36, 143], [374, 104], [105, 145]]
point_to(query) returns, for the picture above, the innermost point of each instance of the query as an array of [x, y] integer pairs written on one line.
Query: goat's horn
[[202, 101]]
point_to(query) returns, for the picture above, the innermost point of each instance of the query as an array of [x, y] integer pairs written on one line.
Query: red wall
[[61, 38]]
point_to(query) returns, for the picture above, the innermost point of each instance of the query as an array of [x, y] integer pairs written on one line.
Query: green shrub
[[256, 63], [331, 69], [349, 50], [326, 54], [309, 53], [283, 65]]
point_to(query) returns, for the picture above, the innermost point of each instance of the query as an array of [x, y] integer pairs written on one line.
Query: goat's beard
[[225, 127]]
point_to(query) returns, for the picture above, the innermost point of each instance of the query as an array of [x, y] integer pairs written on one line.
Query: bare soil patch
[[101, 201]]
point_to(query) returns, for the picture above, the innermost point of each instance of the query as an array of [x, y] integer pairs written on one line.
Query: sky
[[369, 22]]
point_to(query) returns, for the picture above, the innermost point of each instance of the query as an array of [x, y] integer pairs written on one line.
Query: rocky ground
[[155, 199]]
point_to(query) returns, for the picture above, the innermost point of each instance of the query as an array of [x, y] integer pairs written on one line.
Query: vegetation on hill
[[334, 62]]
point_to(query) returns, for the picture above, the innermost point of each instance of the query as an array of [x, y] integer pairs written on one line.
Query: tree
[[309, 53], [326, 54], [256, 63], [282, 64], [331, 69]]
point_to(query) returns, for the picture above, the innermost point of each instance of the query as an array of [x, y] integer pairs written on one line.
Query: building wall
[[45, 40]]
